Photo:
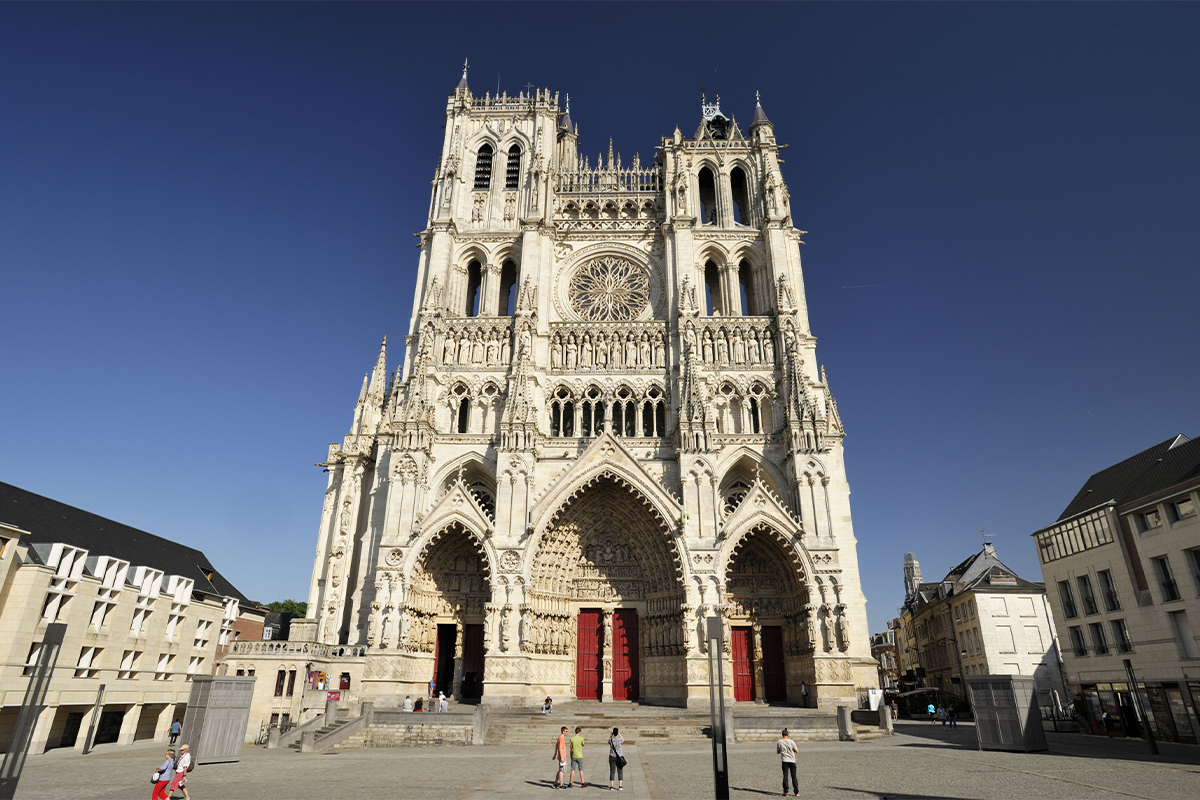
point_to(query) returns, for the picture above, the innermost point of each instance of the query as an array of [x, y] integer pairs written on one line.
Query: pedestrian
[[786, 748], [443, 703], [419, 706], [182, 765], [432, 687], [953, 718], [162, 777], [408, 703], [577, 759], [941, 715], [616, 761], [804, 694], [548, 706], [560, 755], [175, 728], [932, 712]]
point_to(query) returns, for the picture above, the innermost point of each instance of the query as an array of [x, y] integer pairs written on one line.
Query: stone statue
[[505, 632], [843, 629], [826, 640], [523, 632]]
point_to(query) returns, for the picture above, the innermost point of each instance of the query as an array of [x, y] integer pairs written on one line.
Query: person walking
[[786, 748], [560, 755], [577, 759], [941, 715], [182, 765], [163, 776], [953, 715], [616, 761], [175, 728], [932, 712]]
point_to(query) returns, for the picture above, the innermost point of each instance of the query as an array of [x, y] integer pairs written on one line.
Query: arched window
[[755, 421], [712, 289], [647, 419], [562, 414], [654, 414], [708, 197], [464, 415], [733, 496], [512, 169], [483, 168], [474, 280], [741, 196], [746, 286], [592, 423], [508, 288]]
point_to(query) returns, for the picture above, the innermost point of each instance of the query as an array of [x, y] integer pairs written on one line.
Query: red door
[[743, 664], [472, 677], [588, 645], [625, 654], [774, 682]]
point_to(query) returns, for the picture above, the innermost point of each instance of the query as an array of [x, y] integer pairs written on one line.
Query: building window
[[88, 658], [129, 665], [708, 197], [512, 169], [1109, 589], [344, 682], [1120, 636], [35, 652], [508, 288], [1077, 642], [464, 415], [291, 684], [1068, 600], [474, 282], [1149, 520], [280, 682], [713, 303], [1166, 579], [1193, 560], [62, 585], [1098, 641], [483, 168], [741, 196], [1183, 508], [1086, 595], [1183, 634], [1074, 536], [202, 628], [749, 301], [163, 672], [194, 666]]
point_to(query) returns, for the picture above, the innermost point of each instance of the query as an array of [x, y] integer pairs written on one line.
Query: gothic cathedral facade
[[610, 426]]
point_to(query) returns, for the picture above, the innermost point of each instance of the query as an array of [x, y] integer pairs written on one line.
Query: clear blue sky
[[206, 219]]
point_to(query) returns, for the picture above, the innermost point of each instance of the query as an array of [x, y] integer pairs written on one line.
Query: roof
[[983, 568], [1167, 463], [50, 521]]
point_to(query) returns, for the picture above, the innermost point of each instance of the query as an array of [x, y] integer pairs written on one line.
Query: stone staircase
[[638, 724], [324, 731]]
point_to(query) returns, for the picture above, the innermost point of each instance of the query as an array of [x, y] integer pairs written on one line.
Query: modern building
[[980, 619], [1123, 564], [610, 425], [143, 615]]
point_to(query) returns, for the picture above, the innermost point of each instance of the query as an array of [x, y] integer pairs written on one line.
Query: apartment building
[[1123, 566], [143, 614]]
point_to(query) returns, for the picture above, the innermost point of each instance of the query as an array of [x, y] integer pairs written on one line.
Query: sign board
[[217, 712], [334, 696], [1006, 713]]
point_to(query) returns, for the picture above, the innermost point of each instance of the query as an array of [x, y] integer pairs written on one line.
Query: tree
[[289, 607]]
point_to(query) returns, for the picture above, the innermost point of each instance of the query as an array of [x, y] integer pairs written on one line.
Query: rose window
[[609, 289]]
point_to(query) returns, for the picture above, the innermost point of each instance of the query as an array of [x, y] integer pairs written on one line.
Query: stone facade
[[610, 425]]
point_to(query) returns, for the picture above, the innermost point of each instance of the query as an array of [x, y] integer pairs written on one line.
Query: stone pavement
[[923, 761]]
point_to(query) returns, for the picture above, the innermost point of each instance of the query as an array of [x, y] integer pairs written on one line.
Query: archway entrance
[[450, 589], [607, 568], [766, 593]]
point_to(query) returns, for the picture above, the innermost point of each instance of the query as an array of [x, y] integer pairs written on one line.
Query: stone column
[[606, 694], [456, 686], [760, 686], [41, 730], [129, 724]]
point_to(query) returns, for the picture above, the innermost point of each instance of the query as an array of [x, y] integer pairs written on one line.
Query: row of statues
[[476, 347], [737, 347], [612, 350]]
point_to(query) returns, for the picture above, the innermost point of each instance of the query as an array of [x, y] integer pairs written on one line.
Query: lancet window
[[512, 169], [739, 189], [708, 197], [562, 414], [593, 413], [474, 285], [508, 288], [712, 289], [483, 168], [746, 288]]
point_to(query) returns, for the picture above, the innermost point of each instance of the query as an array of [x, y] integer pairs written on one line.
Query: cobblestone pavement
[[922, 761]]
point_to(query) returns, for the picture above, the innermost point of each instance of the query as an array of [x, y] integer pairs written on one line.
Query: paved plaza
[[921, 761]]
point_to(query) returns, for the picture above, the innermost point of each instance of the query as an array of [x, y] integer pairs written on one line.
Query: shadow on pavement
[[897, 796]]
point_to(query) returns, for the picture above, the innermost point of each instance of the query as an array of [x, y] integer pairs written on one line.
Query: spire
[[610, 154], [566, 120], [378, 384], [462, 84], [760, 116]]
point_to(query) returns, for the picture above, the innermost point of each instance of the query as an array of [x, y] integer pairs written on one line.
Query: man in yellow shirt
[[577, 758]]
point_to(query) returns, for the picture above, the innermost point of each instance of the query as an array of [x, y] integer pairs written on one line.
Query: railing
[[314, 649], [612, 179]]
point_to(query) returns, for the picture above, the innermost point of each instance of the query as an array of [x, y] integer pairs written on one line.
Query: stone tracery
[[609, 288]]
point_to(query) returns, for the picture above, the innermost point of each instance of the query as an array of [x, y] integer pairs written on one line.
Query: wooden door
[[472, 680], [625, 654], [774, 681], [588, 645], [743, 664]]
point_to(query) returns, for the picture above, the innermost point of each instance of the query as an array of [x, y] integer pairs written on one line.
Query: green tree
[[289, 606]]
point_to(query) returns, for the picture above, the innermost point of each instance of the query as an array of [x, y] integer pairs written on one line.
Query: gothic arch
[[796, 557], [777, 479], [451, 525]]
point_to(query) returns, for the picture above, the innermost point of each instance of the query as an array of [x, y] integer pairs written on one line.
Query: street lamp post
[[716, 697]]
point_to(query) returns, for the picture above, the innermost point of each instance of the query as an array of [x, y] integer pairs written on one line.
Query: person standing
[[560, 755], [786, 748], [163, 777], [616, 760], [577, 759], [952, 714], [175, 728], [804, 694], [443, 704], [182, 765]]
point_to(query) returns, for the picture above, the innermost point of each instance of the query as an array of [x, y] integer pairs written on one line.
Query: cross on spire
[[466, 66]]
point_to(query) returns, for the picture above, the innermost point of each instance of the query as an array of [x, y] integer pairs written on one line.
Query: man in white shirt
[[786, 748], [181, 769]]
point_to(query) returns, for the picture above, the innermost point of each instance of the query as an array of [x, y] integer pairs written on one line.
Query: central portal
[[625, 654]]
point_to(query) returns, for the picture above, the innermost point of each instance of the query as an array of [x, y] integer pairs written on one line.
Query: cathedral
[[609, 425]]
